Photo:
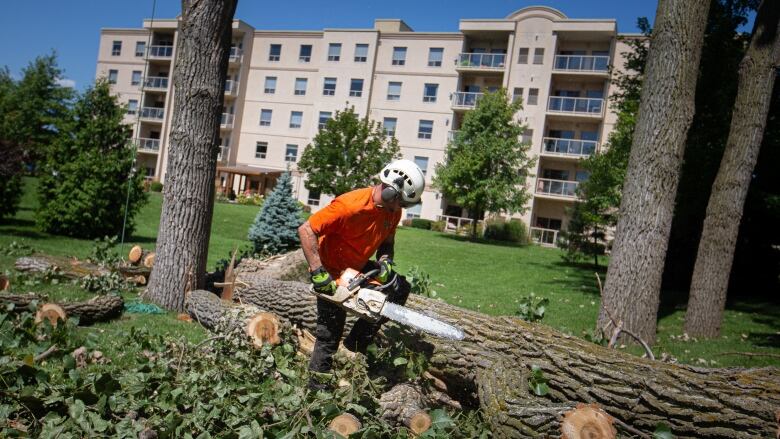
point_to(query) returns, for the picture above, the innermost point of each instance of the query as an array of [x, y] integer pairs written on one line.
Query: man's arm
[[386, 248], [310, 246]]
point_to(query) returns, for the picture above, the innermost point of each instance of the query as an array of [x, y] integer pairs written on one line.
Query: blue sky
[[72, 27]]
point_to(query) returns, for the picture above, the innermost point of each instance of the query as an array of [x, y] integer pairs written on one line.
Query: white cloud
[[65, 82]]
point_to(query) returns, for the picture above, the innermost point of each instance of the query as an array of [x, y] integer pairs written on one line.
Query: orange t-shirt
[[350, 229]]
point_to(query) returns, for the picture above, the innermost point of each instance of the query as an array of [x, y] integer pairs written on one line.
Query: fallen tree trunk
[[76, 269], [404, 404], [98, 309], [491, 368]]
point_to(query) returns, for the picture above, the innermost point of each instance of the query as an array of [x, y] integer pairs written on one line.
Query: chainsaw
[[371, 304]]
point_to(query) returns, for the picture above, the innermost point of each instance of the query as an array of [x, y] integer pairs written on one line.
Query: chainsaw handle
[[361, 278]]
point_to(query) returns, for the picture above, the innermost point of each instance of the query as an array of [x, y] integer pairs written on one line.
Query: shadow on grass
[[578, 276], [23, 233], [482, 241]]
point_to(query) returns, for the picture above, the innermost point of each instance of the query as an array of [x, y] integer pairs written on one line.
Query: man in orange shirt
[[344, 235]]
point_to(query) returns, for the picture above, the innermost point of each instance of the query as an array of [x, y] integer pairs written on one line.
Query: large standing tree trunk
[[721, 225], [199, 81], [492, 366], [666, 110]]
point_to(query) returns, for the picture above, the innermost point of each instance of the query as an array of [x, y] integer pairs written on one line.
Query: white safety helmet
[[403, 176]]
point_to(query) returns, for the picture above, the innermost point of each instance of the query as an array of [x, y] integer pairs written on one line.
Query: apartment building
[[284, 85]]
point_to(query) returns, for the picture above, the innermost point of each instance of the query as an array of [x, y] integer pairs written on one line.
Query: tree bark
[[98, 309], [666, 110], [491, 368], [188, 200], [405, 404], [724, 211], [76, 269]]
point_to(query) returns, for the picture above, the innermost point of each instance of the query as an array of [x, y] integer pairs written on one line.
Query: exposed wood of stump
[[345, 424], [5, 284], [149, 260], [491, 367], [136, 254], [404, 404], [51, 312], [587, 422], [76, 269], [233, 320], [98, 309]]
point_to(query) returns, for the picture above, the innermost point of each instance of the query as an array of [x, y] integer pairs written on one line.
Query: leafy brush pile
[[220, 387]]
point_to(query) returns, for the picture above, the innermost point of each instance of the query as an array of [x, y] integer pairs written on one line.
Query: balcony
[[227, 120], [451, 135], [235, 55], [572, 148], [590, 107], [156, 83], [544, 237], [224, 153], [160, 52], [231, 87], [491, 62], [465, 100], [581, 64], [148, 145], [152, 113], [557, 188]]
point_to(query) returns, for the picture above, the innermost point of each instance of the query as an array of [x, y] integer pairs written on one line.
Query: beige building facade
[[283, 85]]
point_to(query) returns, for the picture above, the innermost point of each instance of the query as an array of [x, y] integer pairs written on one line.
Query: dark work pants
[[330, 326]]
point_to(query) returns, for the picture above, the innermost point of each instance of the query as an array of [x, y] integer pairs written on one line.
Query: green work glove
[[385, 269], [323, 283]]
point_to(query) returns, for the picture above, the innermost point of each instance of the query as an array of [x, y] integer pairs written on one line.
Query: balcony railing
[[545, 237], [156, 82], [145, 144], [235, 54], [227, 120], [568, 147], [489, 61], [231, 87], [562, 188], [224, 152], [160, 51], [462, 99], [581, 63], [587, 106], [456, 224], [451, 135], [152, 113]]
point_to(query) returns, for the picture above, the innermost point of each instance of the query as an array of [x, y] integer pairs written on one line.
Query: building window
[[533, 96], [261, 149], [265, 117], [296, 117], [140, 48], [548, 223], [422, 163], [334, 51], [305, 53], [112, 76], [389, 125], [527, 136], [356, 88], [314, 198], [361, 52], [275, 54], [517, 94], [399, 56], [116, 48], [132, 106], [300, 86], [522, 57], [136, 78], [291, 153], [270, 85], [581, 176], [414, 211], [324, 118], [329, 88], [426, 129], [394, 91], [435, 55], [429, 92], [539, 55]]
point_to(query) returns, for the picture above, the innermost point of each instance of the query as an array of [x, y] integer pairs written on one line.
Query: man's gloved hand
[[385, 269], [323, 283]]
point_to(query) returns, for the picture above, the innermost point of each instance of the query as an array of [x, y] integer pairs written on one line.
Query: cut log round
[[404, 404], [263, 328], [149, 260], [491, 368], [51, 312], [136, 254], [345, 424], [5, 284], [97, 309], [587, 422]]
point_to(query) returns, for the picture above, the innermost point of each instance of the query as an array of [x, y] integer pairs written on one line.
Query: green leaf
[[662, 431], [399, 361], [540, 389], [359, 409], [106, 384], [441, 420]]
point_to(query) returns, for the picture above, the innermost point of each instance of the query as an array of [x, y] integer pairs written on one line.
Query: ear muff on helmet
[[392, 191]]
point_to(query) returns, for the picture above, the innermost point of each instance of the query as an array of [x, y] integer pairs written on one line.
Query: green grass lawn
[[489, 277]]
